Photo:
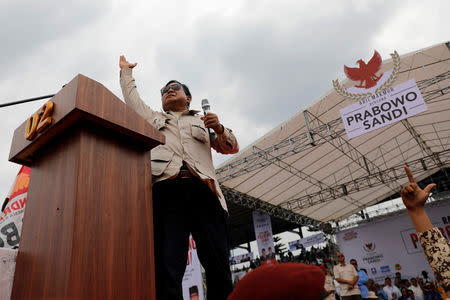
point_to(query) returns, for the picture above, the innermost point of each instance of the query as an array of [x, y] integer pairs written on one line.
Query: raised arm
[[434, 245], [129, 91]]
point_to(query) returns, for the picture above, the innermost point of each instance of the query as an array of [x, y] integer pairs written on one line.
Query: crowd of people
[[347, 281]]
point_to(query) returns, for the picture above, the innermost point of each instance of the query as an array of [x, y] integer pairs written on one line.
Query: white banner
[[391, 245], [264, 238], [307, 241], [392, 105], [241, 258], [10, 230], [192, 279]]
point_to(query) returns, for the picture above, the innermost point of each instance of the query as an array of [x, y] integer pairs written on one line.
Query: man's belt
[[185, 173]]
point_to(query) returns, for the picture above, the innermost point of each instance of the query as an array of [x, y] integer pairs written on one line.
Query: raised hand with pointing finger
[[123, 63], [412, 195]]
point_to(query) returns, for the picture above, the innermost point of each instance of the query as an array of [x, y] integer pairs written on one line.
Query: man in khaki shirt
[[186, 194], [347, 277]]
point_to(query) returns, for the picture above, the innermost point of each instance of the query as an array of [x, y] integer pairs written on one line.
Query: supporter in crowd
[[415, 288], [363, 279], [329, 283], [434, 244], [391, 291], [347, 276], [430, 293], [404, 292], [411, 296], [379, 292]]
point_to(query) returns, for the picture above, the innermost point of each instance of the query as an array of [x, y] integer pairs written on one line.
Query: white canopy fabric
[[327, 177]]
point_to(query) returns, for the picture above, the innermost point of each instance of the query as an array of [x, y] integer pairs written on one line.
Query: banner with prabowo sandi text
[[389, 106], [264, 238]]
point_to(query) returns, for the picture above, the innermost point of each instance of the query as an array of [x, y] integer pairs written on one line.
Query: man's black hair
[[185, 87]]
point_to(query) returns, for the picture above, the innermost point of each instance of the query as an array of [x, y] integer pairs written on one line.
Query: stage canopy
[[306, 171]]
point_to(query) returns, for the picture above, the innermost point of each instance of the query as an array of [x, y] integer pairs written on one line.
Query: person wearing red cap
[[287, 281]]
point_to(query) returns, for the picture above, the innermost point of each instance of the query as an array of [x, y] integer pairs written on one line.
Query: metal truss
[[343, 145], [323, 133], [273, 210], [422, 144], [368, 181]]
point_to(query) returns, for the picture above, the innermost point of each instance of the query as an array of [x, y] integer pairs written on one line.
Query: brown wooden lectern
[[88, 230]]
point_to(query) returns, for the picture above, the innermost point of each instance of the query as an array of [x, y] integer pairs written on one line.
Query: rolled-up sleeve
[[437, 251], [226, 142], [131, 95]]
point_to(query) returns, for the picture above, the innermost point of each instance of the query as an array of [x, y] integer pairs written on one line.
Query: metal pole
[[26, 100]]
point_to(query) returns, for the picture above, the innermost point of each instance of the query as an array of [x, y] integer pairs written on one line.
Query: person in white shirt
[[347, 277], [415, 287], [391, 290]]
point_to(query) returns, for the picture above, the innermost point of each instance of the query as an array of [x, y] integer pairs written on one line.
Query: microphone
[[207, 109]]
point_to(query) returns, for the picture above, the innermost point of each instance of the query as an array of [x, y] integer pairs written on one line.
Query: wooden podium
[[88, 226]]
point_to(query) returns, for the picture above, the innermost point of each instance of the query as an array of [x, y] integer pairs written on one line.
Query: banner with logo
[[10, 229], [264, 238], [391, 245], [389, 106], [237, 259], [307, 241], [192, 280]]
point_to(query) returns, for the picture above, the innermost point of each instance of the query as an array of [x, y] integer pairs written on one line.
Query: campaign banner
[[192, 280], [391, 245], [307, 241], [12, 215], [389, 106], [264, 238], [237, 259], [10, 229]]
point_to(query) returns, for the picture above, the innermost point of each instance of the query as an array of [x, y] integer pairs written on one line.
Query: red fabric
[[281, 281]]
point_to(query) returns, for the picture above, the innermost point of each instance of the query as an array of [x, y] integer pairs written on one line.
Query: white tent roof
[[334, 177]]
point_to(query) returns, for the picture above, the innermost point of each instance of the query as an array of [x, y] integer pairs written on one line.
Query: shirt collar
[[192, 112]]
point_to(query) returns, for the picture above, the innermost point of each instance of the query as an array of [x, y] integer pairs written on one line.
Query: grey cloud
[[277, 70], [28, 25]]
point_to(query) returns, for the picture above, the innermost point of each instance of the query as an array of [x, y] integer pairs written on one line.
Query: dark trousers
[[183, 206]]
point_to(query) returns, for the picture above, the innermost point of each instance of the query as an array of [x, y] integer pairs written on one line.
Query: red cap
[[281, 281]]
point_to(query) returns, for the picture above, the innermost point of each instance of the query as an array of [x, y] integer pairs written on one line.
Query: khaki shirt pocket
[[161, 157], [199, 133]]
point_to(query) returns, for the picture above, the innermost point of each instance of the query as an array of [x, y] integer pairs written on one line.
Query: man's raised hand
[[123, 63], [412, 195]]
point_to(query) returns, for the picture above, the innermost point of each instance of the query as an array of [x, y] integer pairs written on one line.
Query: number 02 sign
[[39, 121]]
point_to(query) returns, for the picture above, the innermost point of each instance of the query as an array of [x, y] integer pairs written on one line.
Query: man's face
[[387, 281], [411, 295], [340, 257], [354, 263], [414, 282], [175, 98]]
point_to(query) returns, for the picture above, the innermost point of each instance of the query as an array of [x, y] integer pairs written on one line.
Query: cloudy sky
[[258, 62]]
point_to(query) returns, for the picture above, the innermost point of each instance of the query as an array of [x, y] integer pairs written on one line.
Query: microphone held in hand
[[207, 109]]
